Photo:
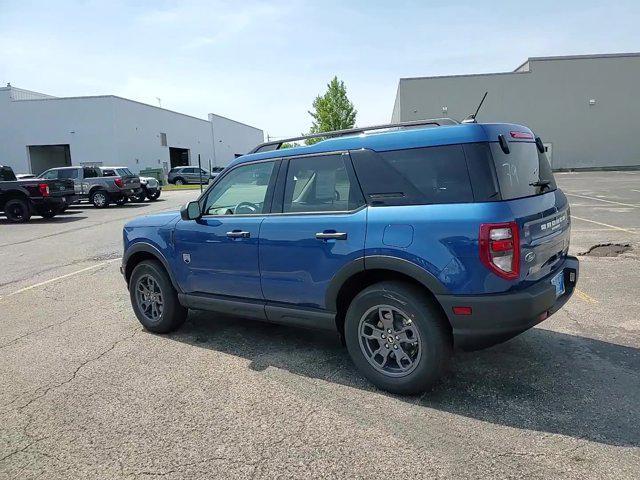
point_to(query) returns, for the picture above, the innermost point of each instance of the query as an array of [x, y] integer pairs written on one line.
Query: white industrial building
[[38, 132]]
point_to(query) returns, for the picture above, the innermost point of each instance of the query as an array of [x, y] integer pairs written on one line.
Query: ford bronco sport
[[408, 241]]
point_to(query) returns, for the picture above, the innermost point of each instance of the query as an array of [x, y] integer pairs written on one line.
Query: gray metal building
[[585, 108]]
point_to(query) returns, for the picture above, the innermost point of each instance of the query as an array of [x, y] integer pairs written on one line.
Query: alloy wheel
[[389, 340], [149, 298]]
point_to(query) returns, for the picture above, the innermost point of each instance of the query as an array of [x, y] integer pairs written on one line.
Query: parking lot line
[[51, 280], [613, 227], [602, 200], [585, 297]]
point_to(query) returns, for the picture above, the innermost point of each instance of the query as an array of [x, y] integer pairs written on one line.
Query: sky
[[263, 62]]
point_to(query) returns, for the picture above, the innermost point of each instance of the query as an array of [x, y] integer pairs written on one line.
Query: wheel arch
[[360, 274], [19, 194], [141, 251]]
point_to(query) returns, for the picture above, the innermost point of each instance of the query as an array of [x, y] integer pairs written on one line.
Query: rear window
[[414, 176], [523, 172], [124, 172], [6, 174]]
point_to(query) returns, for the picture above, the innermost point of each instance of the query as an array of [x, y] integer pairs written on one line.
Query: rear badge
[[530, 257], [186, 257]]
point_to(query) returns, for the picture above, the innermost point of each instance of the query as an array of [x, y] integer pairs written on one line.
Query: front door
[[320, 229], [218, 254]]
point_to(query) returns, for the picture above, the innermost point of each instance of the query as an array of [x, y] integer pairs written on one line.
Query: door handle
[[238, 234], [331, 236]]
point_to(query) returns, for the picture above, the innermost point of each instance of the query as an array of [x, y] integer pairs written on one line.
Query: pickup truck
[[91, 183], [19, 199]]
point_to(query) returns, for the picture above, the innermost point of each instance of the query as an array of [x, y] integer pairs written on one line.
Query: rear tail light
[[44, 189], [119, 182], [500, 249]]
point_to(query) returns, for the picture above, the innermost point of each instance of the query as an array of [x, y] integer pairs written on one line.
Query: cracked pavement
[[86, 393]]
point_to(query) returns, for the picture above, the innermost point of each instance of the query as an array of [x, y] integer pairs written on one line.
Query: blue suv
[[407, 241]]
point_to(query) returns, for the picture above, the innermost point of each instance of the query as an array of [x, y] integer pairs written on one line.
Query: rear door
[[218, 254], [320, 227], [541, 210]]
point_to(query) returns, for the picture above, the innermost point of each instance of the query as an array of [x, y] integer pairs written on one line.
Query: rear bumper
[[496, 318], [57, 201]]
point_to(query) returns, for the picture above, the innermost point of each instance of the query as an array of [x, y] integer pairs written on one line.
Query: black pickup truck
[[19, 199]]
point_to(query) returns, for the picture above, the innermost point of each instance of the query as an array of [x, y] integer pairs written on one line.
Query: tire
[[139, 198], [427, 344], [154, 196], [99, 199], [121, 201], [17, 210], [63, 209], [172, 315], [180, 181]]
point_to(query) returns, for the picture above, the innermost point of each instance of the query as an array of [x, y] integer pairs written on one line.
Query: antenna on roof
[[472, 118]]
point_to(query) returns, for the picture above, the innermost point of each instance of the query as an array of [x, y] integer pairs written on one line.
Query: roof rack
[[277, 144]]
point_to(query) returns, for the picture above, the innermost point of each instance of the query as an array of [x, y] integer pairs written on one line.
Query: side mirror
[[190, 211]]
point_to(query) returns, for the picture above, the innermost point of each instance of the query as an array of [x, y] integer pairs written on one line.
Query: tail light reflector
[[44, 189], [119, 183], [462, 310], [500, 249]]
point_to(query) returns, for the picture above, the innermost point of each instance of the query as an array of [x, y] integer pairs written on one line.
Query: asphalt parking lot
[[86, 393]]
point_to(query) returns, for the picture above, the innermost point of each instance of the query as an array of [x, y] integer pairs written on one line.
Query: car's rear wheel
[[397, 337], [100, 199], [140, 197], [154, 300], [154, 196], [17, 210]]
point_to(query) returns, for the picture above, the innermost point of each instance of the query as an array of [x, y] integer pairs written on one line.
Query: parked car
[[215, 171], [20, 199], [407, 242], [149, 188], [185, 175], [91, 184]]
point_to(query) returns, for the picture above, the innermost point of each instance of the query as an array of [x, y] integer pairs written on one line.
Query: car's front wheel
[[153, 298], [180, 181], [397, 337]]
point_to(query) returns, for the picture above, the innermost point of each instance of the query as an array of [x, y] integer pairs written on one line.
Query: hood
[[155, 220]]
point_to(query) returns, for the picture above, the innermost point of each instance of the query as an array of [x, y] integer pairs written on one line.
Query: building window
[[163, 139]]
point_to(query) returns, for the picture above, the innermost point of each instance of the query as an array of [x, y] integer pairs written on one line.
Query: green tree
[[332, 111]]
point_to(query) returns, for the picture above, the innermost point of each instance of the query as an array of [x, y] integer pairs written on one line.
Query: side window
[[50, 175], [108, 172], [242, 191], [90, 172], [68, 173], [320, 184], [189, 170], [414, 176]]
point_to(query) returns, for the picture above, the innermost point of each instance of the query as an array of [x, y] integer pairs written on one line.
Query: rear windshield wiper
[[541, 183]]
